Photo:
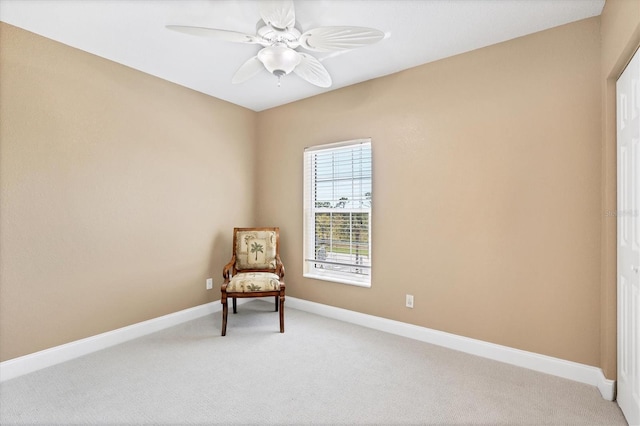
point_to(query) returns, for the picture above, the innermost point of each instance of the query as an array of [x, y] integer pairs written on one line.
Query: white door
[[628, 214]]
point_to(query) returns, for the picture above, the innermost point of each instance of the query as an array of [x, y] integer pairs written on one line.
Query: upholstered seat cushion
[[247, 282]]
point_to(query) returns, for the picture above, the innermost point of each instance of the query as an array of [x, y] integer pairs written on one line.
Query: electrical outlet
[[409, 301], [209, 283]]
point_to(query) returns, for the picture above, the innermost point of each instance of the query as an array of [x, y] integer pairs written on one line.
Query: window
[[337, 210]]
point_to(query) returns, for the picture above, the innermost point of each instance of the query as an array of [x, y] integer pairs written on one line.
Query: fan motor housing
[[278, 36]]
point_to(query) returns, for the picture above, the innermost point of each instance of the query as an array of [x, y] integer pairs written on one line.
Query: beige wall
[[487, 204], [620, 27], [112, 186], [114, 193]]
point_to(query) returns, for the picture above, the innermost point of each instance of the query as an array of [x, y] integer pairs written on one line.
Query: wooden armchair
[[255, 270]]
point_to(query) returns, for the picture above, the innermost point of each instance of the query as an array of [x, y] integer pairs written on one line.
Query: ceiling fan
[[280, 38]]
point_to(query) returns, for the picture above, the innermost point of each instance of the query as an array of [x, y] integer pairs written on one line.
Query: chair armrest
[[279, 267], [226, 272]]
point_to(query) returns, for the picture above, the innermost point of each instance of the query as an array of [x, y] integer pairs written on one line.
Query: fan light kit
[[280, 39]]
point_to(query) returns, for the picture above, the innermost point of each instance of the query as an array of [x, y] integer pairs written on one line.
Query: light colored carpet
[[320, 371]]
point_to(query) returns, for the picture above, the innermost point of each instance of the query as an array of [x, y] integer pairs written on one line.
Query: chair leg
[[225, 310], [276, 297], [282, 314], [235, 307]]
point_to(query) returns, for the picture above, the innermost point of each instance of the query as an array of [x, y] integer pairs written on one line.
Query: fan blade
[[215, 33], [329, 39], [278, 13], [250, 68], [313, 71]]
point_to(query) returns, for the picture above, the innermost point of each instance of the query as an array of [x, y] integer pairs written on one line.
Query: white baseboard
[[558, 367], [542, 363], [46, 358]]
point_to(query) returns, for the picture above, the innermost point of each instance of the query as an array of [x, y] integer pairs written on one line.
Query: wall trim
[[46, 358], [545, 364]]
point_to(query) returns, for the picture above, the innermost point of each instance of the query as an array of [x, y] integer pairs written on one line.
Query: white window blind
[[337, 207]]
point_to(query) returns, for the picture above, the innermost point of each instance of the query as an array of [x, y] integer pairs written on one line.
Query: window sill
[[327, 277]]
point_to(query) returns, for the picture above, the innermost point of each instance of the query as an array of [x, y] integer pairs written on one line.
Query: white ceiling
[[133, 33]]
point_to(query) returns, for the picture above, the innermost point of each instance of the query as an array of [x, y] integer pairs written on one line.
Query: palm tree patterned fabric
[[247, 282], [256, 250]]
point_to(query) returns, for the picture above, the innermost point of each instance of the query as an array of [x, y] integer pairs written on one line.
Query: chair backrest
[[256, 249]]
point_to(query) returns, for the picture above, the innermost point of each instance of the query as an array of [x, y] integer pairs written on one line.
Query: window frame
[[309, 221]]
